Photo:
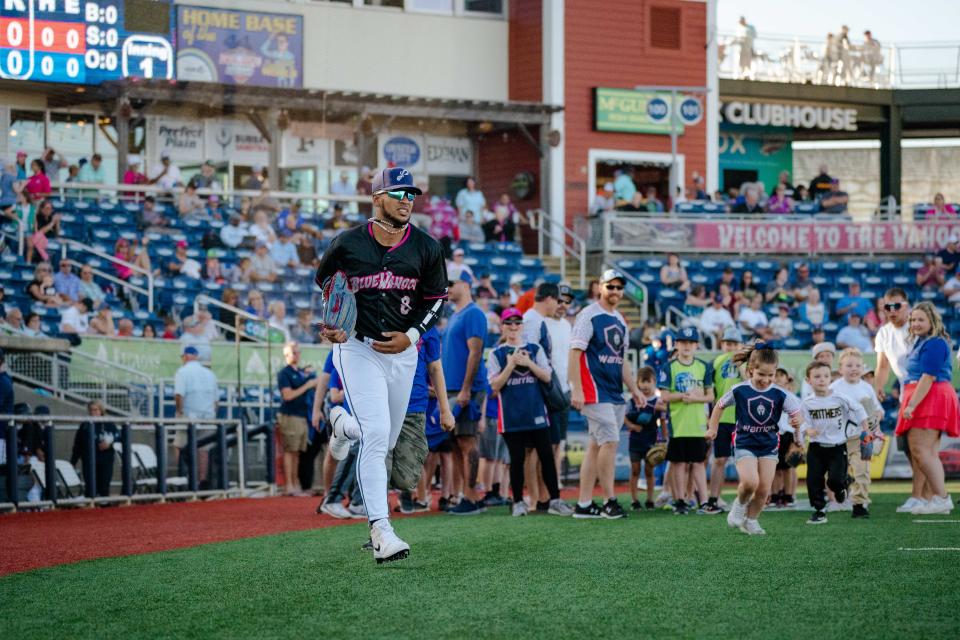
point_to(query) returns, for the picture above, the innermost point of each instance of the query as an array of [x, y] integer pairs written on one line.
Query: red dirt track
[[87, 534]]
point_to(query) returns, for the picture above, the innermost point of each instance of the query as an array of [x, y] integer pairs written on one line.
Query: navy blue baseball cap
[[393, 178], [688, 334]]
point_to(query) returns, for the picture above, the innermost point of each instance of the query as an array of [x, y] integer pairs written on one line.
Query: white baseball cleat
[[737, 515], [752, 528], [345, 429], [336, 510], [387, 545]]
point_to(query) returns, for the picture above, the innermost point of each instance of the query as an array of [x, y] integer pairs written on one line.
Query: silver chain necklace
[[386, 227]]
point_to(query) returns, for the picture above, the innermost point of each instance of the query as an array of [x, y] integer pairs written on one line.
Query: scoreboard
[[85, 41]]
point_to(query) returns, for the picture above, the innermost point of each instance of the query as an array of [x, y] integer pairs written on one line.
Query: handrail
[[204, 299], [148, 292], [133, 192], [21, 233], [565, 237]]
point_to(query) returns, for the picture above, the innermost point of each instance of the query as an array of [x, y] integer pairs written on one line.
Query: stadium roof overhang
[[887, 114]]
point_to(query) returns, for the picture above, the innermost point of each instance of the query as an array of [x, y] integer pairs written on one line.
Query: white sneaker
[[345, 429], [737, 515], [642, 484], [752, 528], [911, 504], [663, 499], [936, 506], [336, 510], [833, 506], [560, 508], [846, 505], [387, 545], [357, 511], [520, 509]]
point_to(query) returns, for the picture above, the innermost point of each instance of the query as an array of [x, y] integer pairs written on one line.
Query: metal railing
[[802, 60], [146, 292], [556, 234], [145, 466], [19, 236], [204, 300], [80, 377]]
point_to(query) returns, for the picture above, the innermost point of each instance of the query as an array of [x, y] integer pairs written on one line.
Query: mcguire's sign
[[797, 116], [629, 111]]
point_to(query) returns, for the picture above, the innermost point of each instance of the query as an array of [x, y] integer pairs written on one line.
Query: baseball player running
[[399, 278]]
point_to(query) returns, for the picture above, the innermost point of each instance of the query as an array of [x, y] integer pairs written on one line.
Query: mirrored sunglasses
[[401, 194]]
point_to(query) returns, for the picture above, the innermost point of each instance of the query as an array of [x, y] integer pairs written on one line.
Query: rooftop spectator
[[193, 337], [716, 318], [470, 198], [190, 205], [604, 201], [66, 282], [820, 184], [753, 321], [950, 255], [802, 284], [623, 185], [93, 172], [835, 200], [278, 318], [343, 187], [673, 274], [501, 228], [745, 37], [750, 203], [102, 324], [871, 55], [302, 331], [876, 317], [456, 266], [855, 334], [73, 319], [812, 310], [41, 288], [46, 227], [470, 229], [256, 305], [781, 327], [261, 229], [151, 216], [125, 328], [263, 267], [165, 175], [780, 202], [777, 290], [853, 302], [931, 276], [233, 233], [284, 252], [941, 208]]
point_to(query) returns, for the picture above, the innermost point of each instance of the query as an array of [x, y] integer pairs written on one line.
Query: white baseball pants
[[377, 388]]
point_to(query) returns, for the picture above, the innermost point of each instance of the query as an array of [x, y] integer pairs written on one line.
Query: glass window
[[71, 136], [27, 133], [393, 4], [431, 6], [494, 7]]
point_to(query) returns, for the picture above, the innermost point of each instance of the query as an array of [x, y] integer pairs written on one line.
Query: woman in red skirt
[[929, 404]]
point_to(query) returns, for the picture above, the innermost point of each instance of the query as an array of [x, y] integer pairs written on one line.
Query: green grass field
[[492, 576]]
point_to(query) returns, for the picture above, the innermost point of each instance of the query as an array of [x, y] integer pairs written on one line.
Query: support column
[[712, 100], [891, 155], [276, 138], [553, 190], [121, 121]]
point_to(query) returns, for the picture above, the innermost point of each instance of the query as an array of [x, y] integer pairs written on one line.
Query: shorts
[[405, 460], [723, 444], [293, 432], [446, 446], [492, 446], [558, 424], [604, 421], [640, 443], [786, 439], [742, 452], [687, 449], [466, 426]]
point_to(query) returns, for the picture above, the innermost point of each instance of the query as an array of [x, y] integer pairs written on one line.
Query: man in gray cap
[[726, 375]]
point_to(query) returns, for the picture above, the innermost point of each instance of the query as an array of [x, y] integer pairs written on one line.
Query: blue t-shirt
[[328, 367], [521, 400], [294, 378], [861, 305], [469, 322], [336, 383], [646, 417], [493, 404], [758, 415], [429, 351], [929, 356], [8, 195]]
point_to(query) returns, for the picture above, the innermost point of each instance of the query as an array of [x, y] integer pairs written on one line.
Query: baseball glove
[[338, 306], [795, 455], [657, 454]]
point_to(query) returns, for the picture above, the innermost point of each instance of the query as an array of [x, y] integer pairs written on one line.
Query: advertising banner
[[306, 150], [239, 47], [237, 140], [449, 156], [180, 137], [630, 111], [401, 150], [783, 236]]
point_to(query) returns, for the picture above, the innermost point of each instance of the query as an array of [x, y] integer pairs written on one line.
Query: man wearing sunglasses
[[598, 371], [399, 278]]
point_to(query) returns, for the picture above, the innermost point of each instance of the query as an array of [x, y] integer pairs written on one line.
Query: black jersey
[[397, 288]]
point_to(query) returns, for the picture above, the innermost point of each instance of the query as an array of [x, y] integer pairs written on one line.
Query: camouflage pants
[[405, 461]]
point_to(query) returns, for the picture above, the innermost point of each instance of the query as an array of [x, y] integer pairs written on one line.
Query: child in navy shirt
[[642, 422]]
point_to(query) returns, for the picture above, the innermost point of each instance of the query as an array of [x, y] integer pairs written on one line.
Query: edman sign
[[797, 116]]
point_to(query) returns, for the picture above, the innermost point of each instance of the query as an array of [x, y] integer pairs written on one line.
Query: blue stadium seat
[[807, 208]]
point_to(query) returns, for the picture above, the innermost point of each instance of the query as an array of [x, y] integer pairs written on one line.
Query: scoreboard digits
[[78, 42]]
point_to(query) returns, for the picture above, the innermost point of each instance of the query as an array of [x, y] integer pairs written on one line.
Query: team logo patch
[[684, 382], [613, 336], [729, 370], [760, 410]]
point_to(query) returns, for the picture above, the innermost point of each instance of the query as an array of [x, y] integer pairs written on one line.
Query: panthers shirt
[[601, 336], [397, 288], [836, 418], [687, 420]]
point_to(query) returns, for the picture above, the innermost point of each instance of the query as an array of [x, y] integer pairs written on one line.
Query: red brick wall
[[607, 45], [526, 52], [500, 158]]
